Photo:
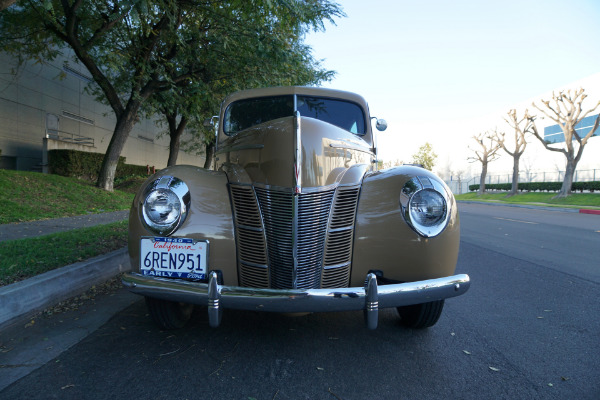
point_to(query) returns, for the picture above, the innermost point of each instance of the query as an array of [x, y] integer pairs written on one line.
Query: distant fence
[[462, 186]]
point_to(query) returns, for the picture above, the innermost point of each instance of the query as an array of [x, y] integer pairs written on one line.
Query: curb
[[533, 207], [597, 212], [22, 299]]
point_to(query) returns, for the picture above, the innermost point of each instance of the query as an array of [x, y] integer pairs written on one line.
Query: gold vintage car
[[295, 217]]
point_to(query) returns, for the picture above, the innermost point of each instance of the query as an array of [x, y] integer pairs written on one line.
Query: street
[[527, 328]]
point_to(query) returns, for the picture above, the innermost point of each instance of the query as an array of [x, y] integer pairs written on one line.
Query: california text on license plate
[[173, 257]]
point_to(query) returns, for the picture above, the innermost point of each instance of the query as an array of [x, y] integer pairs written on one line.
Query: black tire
[[169, 314], [420, 316]]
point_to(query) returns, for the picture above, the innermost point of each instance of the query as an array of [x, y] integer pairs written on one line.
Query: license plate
[[174, 257]]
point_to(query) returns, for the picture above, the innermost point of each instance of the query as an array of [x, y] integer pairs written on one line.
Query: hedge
[[540, 186], [84, 165]]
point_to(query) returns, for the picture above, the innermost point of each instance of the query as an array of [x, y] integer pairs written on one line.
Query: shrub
[[84, 165], [540, 186]]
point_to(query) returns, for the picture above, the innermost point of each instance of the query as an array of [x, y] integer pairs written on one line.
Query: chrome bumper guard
[[370, 298]]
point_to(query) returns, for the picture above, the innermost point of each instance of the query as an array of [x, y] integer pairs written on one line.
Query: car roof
[[298, 90]]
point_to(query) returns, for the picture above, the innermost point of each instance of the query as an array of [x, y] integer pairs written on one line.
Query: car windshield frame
[[250, 112]]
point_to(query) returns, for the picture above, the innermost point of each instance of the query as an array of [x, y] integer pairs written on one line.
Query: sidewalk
[[21, 300], [24, 230]]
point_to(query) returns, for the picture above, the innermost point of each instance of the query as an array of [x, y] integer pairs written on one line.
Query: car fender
[[209, 218], [384, 241]]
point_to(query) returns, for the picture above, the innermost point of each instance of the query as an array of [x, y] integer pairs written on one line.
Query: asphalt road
[[528, 328]]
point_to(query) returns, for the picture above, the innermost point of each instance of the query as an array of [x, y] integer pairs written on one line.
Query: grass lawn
[[577, 200], [24, 258], [29, 196]]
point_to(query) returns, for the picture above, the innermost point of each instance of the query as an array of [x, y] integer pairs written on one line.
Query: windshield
[[244, 114]]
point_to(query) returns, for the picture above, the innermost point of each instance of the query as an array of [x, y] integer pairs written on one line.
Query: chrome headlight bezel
[[178, 191], [417, 188]]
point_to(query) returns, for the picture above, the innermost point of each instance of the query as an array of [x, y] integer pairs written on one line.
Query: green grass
[[29, 196], [587, 200], [24, 258]]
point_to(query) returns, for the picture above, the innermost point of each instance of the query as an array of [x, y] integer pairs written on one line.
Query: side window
[[344, 114], [244, 114]]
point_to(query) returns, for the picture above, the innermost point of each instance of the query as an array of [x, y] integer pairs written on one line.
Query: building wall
[[39, 100]]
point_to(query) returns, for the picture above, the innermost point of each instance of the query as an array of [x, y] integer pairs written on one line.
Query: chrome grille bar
[[338, 249], [294, 241]]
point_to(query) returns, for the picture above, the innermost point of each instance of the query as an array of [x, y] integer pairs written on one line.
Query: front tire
[[420, 316], [169, 314]]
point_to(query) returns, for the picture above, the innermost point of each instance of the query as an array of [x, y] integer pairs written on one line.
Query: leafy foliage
[[189, 51], [425, 157]]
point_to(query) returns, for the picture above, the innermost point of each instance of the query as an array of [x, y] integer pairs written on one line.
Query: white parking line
[[516, 220]]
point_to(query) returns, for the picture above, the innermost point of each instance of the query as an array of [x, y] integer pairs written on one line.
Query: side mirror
[[381, 125], [212, 121]]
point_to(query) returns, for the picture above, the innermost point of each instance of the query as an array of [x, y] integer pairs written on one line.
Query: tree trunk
[[515, 177], [6, 3], [106, 177], [175, 132], [482, 178], [209, 151], [565, 189]]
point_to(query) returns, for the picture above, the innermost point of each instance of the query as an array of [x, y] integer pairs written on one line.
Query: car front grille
[[294, 241]]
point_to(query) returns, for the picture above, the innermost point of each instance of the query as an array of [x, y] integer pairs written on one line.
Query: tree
[[488, 153], [136, 49], [425, 157], [389, 164], [284, 63], [566, 111], [6, 3], [520, 144]]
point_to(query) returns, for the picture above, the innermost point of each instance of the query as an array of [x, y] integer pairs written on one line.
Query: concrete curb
[[584, 211], [32, 295]]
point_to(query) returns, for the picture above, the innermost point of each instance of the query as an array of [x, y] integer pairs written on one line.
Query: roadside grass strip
[[24, 258], [576, 200]]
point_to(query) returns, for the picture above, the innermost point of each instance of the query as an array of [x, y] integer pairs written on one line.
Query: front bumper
[[370, 298]]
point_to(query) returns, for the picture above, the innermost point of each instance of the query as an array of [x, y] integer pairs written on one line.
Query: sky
[[435, 69]]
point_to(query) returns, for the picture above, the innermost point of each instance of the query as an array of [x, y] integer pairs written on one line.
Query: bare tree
[[521, 127], [566, 111], [528, 165], [487, 153]]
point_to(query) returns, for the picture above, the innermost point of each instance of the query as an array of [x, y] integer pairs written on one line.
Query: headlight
[[166, 204], [425, 206]]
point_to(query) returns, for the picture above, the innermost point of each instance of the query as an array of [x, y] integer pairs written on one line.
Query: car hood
[[266, 154]]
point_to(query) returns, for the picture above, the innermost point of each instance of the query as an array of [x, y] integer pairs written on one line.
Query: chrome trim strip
[[255, 265], [297, 153], [315, 189], [364, 149], [297, 300], [227, 149], [336, 266], [250, 228]]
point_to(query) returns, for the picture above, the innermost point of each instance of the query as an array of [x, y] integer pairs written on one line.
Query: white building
[[48, 103]]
